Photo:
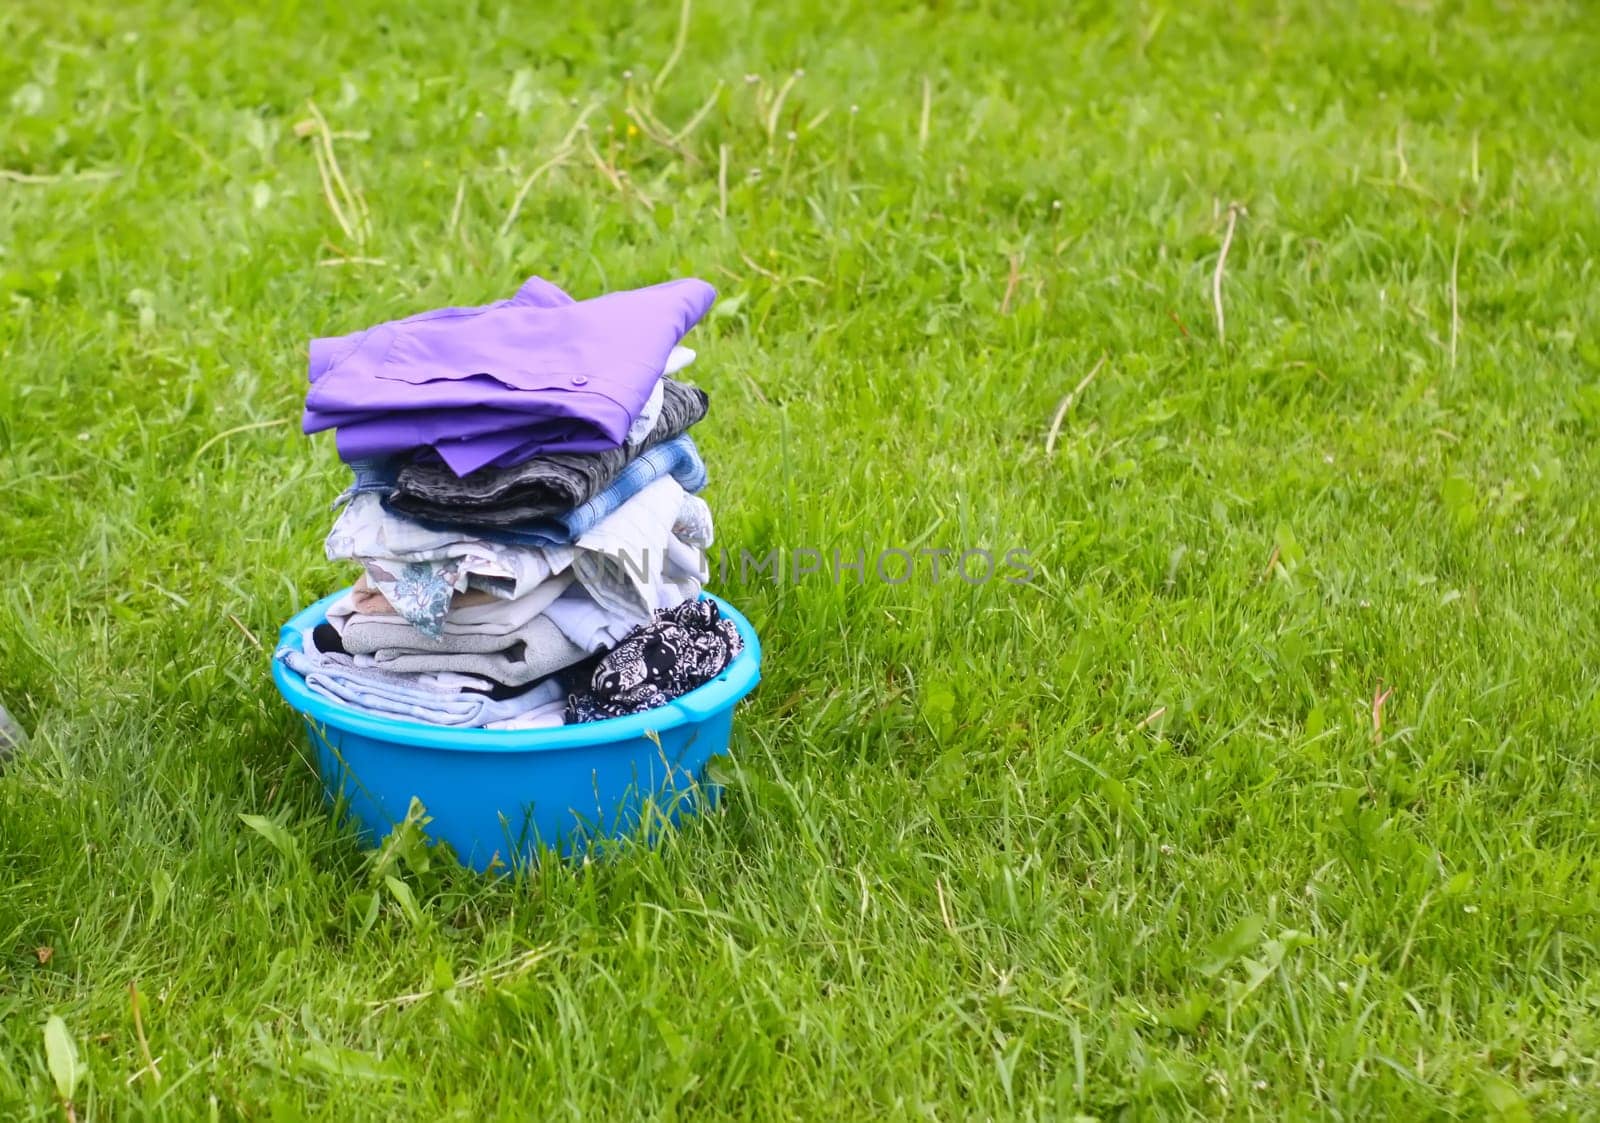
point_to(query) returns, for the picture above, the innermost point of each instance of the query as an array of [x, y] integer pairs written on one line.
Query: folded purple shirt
[[538, 373]]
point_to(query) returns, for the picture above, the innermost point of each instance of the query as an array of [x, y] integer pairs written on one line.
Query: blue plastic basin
[[500, 796]]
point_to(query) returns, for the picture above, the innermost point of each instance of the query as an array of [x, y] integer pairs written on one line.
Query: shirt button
[[579, 380]]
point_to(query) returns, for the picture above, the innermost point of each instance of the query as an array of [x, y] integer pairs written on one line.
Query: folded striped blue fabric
[[395, 695]]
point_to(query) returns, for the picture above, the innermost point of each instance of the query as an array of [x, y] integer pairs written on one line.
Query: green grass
[[1122, 842]]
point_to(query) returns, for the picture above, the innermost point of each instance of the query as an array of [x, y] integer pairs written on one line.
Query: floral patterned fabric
[[683, 648], [419, 591]]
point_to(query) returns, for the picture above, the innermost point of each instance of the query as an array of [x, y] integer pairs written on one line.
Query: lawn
[[1268, 331]]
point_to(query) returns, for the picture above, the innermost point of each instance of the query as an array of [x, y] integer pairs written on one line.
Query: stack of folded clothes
[[524, 512]]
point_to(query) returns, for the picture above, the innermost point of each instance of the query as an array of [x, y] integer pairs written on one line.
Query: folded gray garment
[[532, 652], [493, 622], [545, 485]]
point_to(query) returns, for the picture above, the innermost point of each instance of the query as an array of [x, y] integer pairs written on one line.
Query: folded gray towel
[[531, 653]]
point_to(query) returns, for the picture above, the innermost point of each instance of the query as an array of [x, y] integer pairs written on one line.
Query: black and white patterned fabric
[[684, 647]]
